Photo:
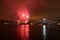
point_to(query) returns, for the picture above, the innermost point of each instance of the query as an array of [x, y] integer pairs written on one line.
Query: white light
[[27, 16], [5, 23], [44, 19], [44, 29], [26, 21], [44, 32], [23, 14]]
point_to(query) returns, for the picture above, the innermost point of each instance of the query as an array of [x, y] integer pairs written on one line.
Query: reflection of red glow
[[23, 31], [23, 14], [27, 31]]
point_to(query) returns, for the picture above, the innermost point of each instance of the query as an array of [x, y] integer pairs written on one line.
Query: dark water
[[29, 32]]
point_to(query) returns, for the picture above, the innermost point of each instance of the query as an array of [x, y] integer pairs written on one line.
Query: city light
[[44, 32]]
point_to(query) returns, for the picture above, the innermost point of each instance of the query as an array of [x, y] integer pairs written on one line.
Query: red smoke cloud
[[10, 7]]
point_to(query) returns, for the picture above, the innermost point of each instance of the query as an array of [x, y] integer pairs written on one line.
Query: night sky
[[37, 8]]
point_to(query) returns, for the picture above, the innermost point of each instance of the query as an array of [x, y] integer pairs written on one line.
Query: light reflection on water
[[23, 32], [29, 32]]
